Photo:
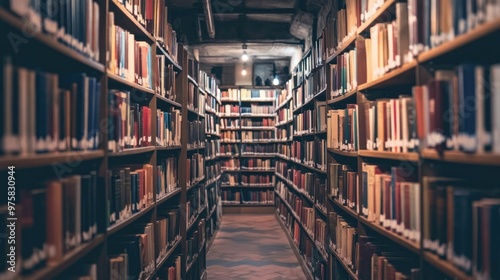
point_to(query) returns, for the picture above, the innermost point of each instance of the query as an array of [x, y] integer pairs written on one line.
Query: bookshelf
[[112, 167], [247, 125], [427, 165]]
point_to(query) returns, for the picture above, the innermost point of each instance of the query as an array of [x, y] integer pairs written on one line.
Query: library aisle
[[251, 247]]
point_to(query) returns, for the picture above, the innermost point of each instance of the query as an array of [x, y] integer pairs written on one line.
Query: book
[[343, 129]]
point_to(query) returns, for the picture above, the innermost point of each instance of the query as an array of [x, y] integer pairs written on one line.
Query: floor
[[249, 247]]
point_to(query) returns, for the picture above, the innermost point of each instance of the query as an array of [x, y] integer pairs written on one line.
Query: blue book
[[467, 108], [42, 117]]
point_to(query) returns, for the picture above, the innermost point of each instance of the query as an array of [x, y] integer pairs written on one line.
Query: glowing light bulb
[[244, 72], [244, 57], [276, 81]]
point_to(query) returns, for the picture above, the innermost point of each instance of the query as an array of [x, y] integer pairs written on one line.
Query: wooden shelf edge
[[343, 153], [177, 67], [351, 273], [39, 160], [445, 266], [409, 245], [168, 196], [192, 80], [373, 19], [411, 156], [131, 19], [343, 208], [168, 254], [133, 152], [112, 229], [389, 75], [341, 98], [130, 84], [169, 101], [460, 157], [68, 260]]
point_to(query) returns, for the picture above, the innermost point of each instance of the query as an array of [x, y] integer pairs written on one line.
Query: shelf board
[[257, 128], [161, 50], [409, 245], [39, 160], [351, 273], [168, 253], [258, 100], [345, 209], [445, 266], [310, 101], [168, 148], [258, 171], [283, 157], [212, 134], [192, 80], [238, 204], [460, 157], [194, 112], [229, 100], [195, 148], [481, 31], [343, 47], [195, 259], [348, 96], [251, 115], [343, 153], [133, 152], [365, 26], [321, 211], [190, 226], [120, 225], [168, 196], [259, 156], [125, 19], [59, 50], [317, 170], [414, 157], [211, 212], [229, 116], [49, 272], [195, 184], [398, 76], [168, 101], [284, 123], [284, 103], [117, 79], [311, 134]]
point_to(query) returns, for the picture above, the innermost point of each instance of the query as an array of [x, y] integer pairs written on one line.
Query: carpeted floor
[[249, 247]]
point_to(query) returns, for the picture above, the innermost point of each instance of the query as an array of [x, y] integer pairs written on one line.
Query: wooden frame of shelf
[[414, 157]]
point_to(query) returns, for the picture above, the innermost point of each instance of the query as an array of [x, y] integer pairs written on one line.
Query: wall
[[239, 79]]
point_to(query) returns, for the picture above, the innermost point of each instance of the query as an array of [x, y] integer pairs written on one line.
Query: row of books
[[75, 24], [129, 124], [229, 110], [158, 25], [71, 203], [170, 271], [344, 241], [344, 74], [40, 112], [233, 196], [246, 94], [257, 109], [298, 98], [391, 125], [165, 78], [212, 170], [193, 69], [168, 132], [196, 201], [314, 153], [195, 169], [168, 180], [230, 149], [314, 84], [302, 181], [391, 197], [195, 242], [343, 185], [167, 230], [284, 150], [212, 124], [264, 122], [257, 164], [284, 95], [321, 235], [230, 94], [249, 136], [285, 133], [343, 129], [258, 149], [131, 190], [285, 114], [212, 147], [196, 135], [212, 104], [133, 254], [230, 180], [209, 84], [230, 164], [129, 58], [230, 135], [458, 224], [257, 180], [321, 194], [195, 99], [230, 123], [311, 121], [457, 109]]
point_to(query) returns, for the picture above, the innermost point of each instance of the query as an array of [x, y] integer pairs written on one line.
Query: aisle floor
[[252, 247]]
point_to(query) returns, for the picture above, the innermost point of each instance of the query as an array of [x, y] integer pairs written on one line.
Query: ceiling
[[270, 28]]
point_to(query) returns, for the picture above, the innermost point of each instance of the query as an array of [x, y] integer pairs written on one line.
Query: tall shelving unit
[[425, 162], [240, 205], [44, 49]]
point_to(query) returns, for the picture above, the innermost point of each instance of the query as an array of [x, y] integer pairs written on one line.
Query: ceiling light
[[244, 57], [276, 81], [244, 72]]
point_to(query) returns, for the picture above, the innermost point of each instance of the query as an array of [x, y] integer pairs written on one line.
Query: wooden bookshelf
[[389, 155], [40, 160], [460, 157], [126, 20], [343, 153], [405, 74], [133, 151], [343, 98], [344, 208], [352, 274], [128, 84], [161, 50]]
